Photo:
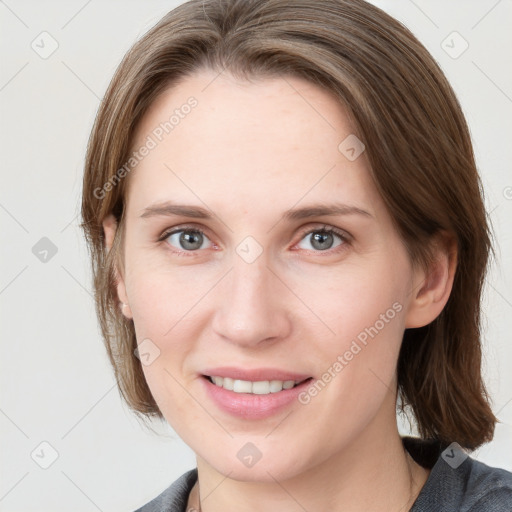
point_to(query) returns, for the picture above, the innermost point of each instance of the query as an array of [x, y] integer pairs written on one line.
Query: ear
[[432, 288], [109, 228]]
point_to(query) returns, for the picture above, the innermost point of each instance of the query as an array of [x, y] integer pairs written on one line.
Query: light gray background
[[56, 384]]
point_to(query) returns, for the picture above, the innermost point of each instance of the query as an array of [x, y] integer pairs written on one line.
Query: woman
[[288, 234]]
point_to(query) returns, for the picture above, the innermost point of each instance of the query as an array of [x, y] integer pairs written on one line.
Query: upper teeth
[[262, 387]]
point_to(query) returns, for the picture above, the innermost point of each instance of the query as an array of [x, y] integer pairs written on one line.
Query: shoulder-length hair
[[417, 142]]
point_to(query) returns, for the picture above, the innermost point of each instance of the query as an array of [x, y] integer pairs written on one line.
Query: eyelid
[[345, 236]]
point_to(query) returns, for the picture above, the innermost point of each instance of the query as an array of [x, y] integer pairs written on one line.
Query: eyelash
[[325, 230]]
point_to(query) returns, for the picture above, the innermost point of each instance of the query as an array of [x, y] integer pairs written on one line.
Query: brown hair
[[417, 143]]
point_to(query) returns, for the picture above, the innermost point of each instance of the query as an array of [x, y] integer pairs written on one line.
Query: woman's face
[[254, 282]]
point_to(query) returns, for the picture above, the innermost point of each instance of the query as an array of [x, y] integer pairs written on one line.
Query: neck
[[374, 473]]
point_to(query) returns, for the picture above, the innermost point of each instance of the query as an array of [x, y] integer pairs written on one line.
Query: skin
[[250, 151]]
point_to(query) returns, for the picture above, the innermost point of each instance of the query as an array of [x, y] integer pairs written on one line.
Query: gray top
[[457, 483]]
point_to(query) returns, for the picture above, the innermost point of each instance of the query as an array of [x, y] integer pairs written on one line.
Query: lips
[[266, 396], [258, 405], [255, 374]]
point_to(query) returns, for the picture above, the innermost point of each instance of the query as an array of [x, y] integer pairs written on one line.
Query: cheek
[[364, 310], [160, 296], [167, 311], [356, 300]]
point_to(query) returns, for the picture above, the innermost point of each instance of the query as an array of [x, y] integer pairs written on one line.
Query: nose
[[253, 306]]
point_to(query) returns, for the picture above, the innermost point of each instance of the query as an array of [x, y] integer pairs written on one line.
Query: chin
[[264, 473], [267, 464]]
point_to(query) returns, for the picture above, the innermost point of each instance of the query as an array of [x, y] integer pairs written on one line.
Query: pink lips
[[249, 405], [254, 375]]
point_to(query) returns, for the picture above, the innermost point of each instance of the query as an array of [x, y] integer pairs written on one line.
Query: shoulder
[[488, 488], [459, 482], [175, 497]]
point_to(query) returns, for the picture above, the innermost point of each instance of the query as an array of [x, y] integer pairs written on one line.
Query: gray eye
[[321, 240], [188, 239]]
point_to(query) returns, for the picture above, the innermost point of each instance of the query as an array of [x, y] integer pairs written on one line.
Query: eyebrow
[[168, 208]]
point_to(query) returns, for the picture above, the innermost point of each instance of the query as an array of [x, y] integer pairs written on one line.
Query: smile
[[253, 399]]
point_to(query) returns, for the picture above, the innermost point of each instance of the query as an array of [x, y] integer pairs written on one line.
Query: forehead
[[265, 142]]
